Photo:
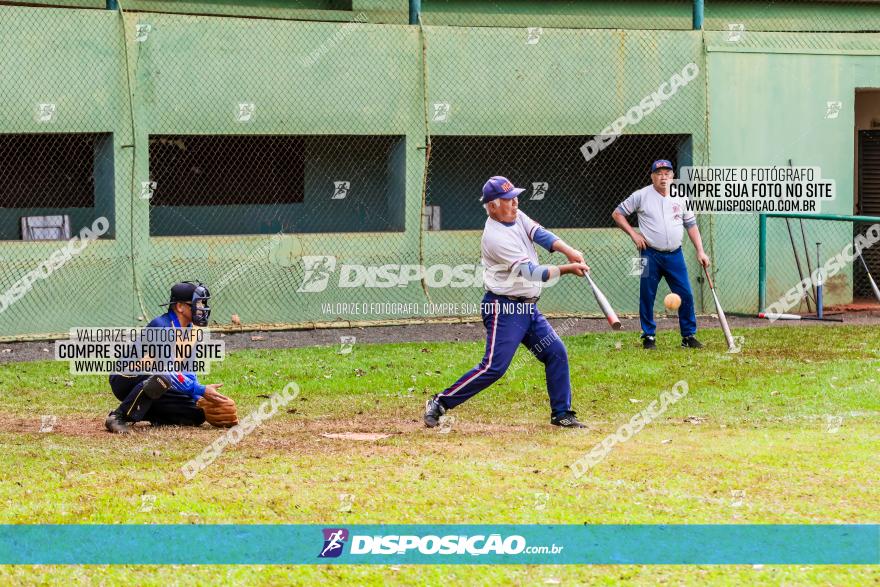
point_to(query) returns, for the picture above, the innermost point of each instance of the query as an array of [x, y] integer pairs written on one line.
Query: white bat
[[775, 316], [870, 279], [606, 308], [721, 317]]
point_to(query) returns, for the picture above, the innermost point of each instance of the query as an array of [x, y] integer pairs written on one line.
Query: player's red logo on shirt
[[180, 377]]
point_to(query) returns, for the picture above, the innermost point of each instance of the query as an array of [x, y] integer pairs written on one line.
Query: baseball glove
[[219, 411]]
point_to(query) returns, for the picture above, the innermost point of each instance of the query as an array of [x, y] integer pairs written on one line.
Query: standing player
[[661, 223], [172, 398], [513, 280]]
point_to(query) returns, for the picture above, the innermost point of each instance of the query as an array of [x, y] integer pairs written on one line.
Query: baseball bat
[[606, 308], [807, 255], [797, 262], [774, 316], [797, 258], [870, 279], [721, 317], [820, 306]]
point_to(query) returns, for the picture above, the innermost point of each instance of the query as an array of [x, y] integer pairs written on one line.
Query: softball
[[672, 301]]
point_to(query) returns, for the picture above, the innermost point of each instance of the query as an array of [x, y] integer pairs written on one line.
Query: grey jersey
[[504, 249], [661, 220]]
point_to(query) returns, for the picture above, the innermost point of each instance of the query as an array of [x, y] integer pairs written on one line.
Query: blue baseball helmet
[[196, 294]]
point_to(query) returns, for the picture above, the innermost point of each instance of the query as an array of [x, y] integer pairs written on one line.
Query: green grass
[[759, 450]]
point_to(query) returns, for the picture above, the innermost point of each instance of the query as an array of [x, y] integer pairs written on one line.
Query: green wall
[[765, 15], [368, 83], [74, 59], [597, 14], [779, 112], [496, 84], [384, 11], [323, 79], [756, 15]]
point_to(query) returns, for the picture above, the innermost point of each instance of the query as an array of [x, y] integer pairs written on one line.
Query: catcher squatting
[[174, 398]]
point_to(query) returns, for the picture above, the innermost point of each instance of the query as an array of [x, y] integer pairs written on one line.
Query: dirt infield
[[443, 332]]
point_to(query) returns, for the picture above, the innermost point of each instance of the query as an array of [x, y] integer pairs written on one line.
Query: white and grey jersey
[[504, 248], [661, 220]]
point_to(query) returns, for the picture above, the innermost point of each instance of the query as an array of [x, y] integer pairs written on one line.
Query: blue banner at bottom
[[440, 544]]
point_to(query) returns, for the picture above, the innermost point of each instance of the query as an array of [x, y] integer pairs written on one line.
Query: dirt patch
[[90, 427], [64, 425], [857, 306], [279, 439], [276, 434], [358, 436]]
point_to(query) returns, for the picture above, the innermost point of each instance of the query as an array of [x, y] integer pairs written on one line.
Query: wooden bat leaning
[[721, 317], [606, 308]]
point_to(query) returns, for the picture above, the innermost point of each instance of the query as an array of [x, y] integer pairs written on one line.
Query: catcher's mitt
[[219, 412]]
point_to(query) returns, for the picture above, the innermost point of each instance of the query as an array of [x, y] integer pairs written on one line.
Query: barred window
[[563, 189], [63, 175], [257, 184]]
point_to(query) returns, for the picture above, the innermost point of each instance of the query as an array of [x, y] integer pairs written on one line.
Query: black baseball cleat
[[114, 423], [691, 342], [433, 410], [649, 343], [567, 420]]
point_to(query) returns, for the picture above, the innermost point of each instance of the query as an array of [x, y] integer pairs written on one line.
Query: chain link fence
[[530, 104], [326, 172], [839, 253], [741, 18], [281, 168], [65, 126]]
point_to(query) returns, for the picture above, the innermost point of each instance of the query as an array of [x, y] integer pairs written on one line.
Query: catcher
[[176, 399]]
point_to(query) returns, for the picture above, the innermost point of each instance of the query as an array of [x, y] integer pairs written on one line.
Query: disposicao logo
[[472, 545], [334, 540], [407, 544]]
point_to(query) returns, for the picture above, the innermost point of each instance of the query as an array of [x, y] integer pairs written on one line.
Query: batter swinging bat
[[721, 317], [606, 308], [870, 279]]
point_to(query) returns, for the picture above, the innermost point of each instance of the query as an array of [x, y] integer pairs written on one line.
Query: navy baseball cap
[[661, 164], [184, 292], [499, 187]]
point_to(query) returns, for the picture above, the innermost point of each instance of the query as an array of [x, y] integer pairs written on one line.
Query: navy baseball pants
[[174, 408], [669, 265], [509, 324]]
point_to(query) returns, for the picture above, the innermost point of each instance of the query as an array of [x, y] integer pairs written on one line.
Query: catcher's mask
[[196, 294]]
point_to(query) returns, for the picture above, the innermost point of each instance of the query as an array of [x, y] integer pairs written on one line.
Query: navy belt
[[520, 299], [664, 251]]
